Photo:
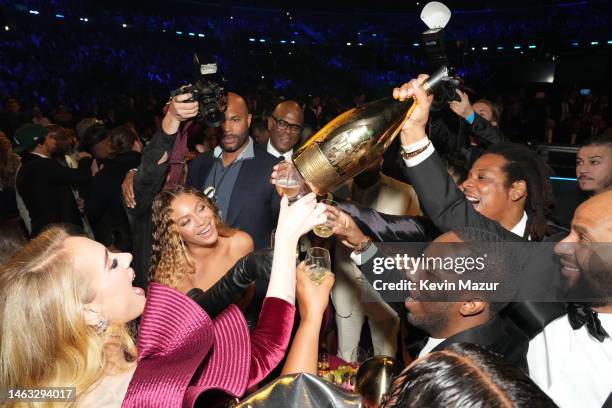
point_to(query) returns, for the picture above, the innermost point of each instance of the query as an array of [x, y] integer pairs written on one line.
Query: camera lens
[[214, 118]]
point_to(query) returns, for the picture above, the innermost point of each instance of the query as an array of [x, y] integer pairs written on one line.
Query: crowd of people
[[148, 260]]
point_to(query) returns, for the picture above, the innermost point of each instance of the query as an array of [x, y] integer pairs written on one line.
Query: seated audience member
[[43, 183], [464, 375], [571, 360], [103, 200], [77, 298], [594, 174]]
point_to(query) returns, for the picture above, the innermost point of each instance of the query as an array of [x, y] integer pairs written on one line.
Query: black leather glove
[[231, 287]]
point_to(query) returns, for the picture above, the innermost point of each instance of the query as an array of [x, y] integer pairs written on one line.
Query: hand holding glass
[[326, 229], [288, 181], [318, 263]]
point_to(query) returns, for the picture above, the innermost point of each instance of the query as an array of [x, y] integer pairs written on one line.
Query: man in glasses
[[285, 126]]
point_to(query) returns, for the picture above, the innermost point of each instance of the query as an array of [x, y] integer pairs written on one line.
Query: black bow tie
[[579, 315]]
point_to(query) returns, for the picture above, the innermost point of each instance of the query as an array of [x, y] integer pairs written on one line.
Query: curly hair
[[524, 164], [170, 263]]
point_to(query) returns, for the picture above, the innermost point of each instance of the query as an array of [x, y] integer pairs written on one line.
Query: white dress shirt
[[272, 150], [431, 344], [572, 367]]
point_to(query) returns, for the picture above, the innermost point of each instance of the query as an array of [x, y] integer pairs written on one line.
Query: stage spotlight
[[517, 47], [124, 25], [499, 47], [7, 28], [192, 34], [594, 42], [34, 12], [262, 40], [532, 46], [59, 15], [201, 35], [251, 39], [179, 33]]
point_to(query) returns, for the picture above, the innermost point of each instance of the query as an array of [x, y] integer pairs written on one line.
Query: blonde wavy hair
[[170, 263], [44, 338]]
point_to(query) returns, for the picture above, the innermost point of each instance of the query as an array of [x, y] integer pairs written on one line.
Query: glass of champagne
[[325, 230], [288, 181], [318, 263]]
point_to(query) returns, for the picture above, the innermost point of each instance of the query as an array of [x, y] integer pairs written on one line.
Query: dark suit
[[254, 202], [538, 279], [498, 335], [538, 276]]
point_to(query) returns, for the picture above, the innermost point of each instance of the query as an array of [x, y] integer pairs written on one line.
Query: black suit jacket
[[254, 203], [538, 280], [46, 188], [498, 335]]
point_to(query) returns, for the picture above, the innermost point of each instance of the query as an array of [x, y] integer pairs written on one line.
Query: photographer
[[478, 129]]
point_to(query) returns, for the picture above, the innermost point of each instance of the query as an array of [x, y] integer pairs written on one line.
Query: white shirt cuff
[[365, 256], [418, 159]]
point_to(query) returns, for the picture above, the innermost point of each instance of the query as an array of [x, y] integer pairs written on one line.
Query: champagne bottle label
[[355, 139]]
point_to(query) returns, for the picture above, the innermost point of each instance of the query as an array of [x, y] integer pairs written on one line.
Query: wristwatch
[[362, 246]]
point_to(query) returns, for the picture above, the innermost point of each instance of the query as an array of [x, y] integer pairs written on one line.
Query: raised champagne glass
[[318, 263]]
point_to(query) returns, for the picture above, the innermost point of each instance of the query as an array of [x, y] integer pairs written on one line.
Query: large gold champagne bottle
[[356, 139]]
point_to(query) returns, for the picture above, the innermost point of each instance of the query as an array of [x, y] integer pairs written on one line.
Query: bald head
[[285, 125], [237, 103], [593, 219], [290, 108], [236, 125]]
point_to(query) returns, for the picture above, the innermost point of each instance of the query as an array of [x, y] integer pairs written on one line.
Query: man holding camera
[[235, 175]]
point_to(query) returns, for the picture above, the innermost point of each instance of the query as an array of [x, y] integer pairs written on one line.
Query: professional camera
[[208, 91], [436, 15]]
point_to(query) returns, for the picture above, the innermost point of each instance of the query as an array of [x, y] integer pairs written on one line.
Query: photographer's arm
[[141, 187], [482, 129]]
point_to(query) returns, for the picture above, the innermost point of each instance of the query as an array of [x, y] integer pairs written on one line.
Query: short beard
[[241, 142], [435, 321]]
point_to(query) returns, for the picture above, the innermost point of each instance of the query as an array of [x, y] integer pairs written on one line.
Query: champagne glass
[[326, 229], [288, 181], [318, 263]]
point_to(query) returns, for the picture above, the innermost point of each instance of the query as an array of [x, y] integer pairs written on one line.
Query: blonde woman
[[67, 301], [63, 321]]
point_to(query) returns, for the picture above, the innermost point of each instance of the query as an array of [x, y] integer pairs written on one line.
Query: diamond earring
[[101, 326]]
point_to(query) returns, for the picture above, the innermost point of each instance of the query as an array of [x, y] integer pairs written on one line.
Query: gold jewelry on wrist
[[407, 154]]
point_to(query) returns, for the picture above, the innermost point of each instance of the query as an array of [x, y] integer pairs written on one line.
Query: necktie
[[579, 315]]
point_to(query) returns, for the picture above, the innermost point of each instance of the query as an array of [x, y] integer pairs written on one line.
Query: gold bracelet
[[408, 155]]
